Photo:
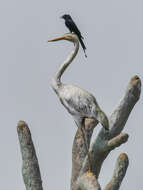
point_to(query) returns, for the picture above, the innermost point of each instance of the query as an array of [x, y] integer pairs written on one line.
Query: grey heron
[[79, 103]]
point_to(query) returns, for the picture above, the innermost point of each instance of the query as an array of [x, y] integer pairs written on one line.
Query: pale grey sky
[[113, 32]]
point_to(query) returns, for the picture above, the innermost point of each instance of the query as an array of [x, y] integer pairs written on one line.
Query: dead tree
[[81, 178]]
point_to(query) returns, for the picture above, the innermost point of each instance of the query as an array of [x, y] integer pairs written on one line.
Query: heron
[[79, 103]]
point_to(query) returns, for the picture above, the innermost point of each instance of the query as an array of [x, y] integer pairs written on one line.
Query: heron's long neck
[[56, 80]]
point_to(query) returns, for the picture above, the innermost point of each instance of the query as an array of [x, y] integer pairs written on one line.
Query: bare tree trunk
[[105, 142]]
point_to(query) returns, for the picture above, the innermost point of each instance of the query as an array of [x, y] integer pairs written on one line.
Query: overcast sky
[[113, 32]]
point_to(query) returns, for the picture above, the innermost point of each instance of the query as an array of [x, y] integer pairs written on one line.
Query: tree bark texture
[[105, 142], [30, 167]]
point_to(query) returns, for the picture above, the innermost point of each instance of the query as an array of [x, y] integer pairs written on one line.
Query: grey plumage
[[78, 102]]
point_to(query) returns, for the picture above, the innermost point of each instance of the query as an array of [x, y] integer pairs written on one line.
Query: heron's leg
[[82, 128]]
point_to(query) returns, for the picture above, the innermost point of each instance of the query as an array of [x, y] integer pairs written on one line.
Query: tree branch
[[79, 150], [99, 150], [30, 168], [117, 141], [121, 113], [119, 172]]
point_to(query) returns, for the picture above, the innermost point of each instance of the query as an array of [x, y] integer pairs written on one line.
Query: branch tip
[[123, 156], [21, 124], [117, 141], [135, 79], [119, 172], [123, 160]]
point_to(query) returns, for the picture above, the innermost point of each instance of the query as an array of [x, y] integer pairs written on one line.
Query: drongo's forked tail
[[83, 46]]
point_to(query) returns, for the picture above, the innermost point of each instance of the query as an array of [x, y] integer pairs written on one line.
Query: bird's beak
[[57, 39], [61, 16]]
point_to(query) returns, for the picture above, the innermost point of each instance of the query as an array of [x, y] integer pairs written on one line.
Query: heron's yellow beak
[[57, 38]]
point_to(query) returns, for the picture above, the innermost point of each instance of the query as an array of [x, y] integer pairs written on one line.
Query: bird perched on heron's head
[[73, 28]]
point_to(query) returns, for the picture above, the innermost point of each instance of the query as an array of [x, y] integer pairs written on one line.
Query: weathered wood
[[119, 172], [99, 150], [30, 167], [105, 141], [78, 150], [87, 181]]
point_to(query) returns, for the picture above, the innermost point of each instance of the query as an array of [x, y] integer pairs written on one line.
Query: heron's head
[[69, 37], [65, 16], [102, 118]]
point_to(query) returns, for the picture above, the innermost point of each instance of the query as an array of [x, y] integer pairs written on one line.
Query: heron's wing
[[79, 103]]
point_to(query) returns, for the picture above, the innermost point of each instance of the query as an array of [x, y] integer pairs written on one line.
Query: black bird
[[73, 28]]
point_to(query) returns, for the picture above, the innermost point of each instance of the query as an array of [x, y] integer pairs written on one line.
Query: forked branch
[[105, 142]]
